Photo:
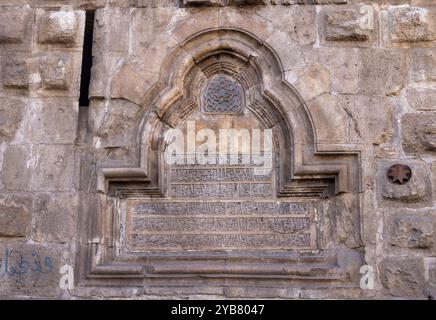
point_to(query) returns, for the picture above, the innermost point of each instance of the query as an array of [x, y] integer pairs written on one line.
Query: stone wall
[[365, 71]]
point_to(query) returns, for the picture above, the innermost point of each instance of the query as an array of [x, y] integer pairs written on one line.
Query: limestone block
[[15, 214], [51, 120], [347, 25], [327, 114], [369, 118], [343, 65], [58, 27], [386, 80], [409, 24], [55, 217], [413, 232], [421, 99], [419, 132], [128, 84], [56, 71], [423, 68], [402, 277], [32, 270], [314, 82], [15, 72], [415, 193], [54, 169], [17, 168], [13, 24], [117, 124], [11, 115]]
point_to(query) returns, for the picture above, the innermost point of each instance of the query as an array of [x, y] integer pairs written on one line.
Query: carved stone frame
[[306, 171]]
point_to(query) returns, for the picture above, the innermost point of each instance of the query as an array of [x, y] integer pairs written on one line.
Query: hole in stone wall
[[86, 59]]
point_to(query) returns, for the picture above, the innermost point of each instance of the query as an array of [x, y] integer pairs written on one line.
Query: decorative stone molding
[[303, 173]]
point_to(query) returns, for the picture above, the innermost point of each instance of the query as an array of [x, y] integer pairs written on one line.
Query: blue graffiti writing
[[16, 264]]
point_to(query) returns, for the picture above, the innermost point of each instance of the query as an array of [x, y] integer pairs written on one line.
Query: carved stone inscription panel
[[221, 204]]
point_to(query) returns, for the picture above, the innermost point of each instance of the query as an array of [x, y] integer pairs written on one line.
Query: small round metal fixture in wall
[[399, 174]]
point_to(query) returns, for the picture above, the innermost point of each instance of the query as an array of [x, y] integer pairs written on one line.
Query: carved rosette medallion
[[223, 94]]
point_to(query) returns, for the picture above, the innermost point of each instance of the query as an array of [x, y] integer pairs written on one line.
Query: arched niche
[[303, 173]]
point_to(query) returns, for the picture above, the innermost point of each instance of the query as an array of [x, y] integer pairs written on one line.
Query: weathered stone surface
[[13, 24], [423, 67], [347, 25], [111, 131], [54, 168], [58, 27], [388, 80], [49, 120], [408, 24], [414, 193], [422, 99], [369, 118], [419, 132], [413, 231], [32, 270], [17, 171], [338, 84], [15, 213], [55, 217], [314, 82], [55, 72], [15, 72], [327, 112], [11, 114], [128, 84], [402, 277]]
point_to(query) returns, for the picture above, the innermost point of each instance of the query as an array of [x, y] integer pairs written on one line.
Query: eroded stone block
[[12, 24], [413, 231], [419, 132], [128, 84], [58, 27], [423, 68], [402, 277], [345, 25], [11, 115], [409, 24], [54, 169], [389, 79], [55, 72], [51, 121], [17, 168], [15, 72], [422, 99], [55, 217], [15, 213]]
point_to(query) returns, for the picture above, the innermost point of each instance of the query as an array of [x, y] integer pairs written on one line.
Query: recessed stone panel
[[13, 22], [56, 71], [58, 27], [353, 24], [15, 72], [410, 24]]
